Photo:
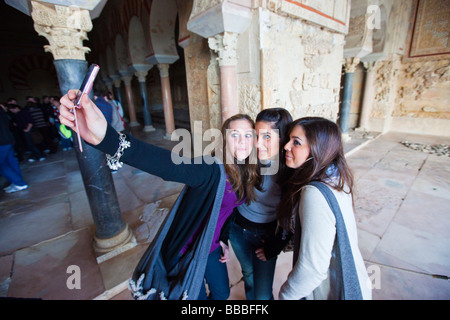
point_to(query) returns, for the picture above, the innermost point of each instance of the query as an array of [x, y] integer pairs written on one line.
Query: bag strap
[[346, 265]]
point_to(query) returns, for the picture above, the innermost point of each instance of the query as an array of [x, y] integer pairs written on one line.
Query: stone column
[[167, 99], [225, 45], [117, 93], [65, 28], [126, 78], [369, 95], [344, 119], [141, 75]]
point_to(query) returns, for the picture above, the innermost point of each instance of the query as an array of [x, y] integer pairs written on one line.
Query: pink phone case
[[85, 88]]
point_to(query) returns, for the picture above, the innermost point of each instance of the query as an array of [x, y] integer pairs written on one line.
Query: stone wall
[[412, 74], [289, 63]]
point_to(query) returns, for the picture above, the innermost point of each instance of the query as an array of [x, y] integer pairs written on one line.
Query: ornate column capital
[[117, 82], [163, 70], [225, 45], [350, 64], [127, 79], [64, 27], [369, 65], [141, 74]]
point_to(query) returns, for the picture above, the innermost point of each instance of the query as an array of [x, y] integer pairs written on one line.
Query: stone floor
[[402, 202]]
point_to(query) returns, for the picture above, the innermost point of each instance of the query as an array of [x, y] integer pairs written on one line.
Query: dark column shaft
[[96, 175]]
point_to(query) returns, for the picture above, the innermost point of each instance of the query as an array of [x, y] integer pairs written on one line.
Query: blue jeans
[[258, 274], [9, 165], [216, 276]]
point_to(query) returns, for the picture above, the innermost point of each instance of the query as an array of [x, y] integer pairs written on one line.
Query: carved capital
[[369, 65], [141, 75], [350, 64], [64, 27], [225, 46], [127, 79], [163, 70]]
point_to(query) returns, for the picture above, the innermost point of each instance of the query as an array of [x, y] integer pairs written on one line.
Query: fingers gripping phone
[[85, 88]]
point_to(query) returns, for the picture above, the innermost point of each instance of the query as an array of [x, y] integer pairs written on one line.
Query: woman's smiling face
[[297, 149], [240, 139], [268, 140]]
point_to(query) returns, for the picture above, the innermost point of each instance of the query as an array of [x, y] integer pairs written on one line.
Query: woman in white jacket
[[314, 152]]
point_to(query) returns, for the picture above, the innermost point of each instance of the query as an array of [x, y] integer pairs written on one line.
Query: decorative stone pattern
[[64, 27], [300, 66], [431, 28], [423, 90], [250, 100], [225, 45], [437, 149], [385, 84]]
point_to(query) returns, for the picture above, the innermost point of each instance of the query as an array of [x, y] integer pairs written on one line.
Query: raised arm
[[94, 129]]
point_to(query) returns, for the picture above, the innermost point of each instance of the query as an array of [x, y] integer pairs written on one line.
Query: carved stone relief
[[250, 100], [64, 27], [423, 90], [225, 45]]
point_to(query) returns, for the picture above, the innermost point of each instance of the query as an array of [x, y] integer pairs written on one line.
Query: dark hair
[[281, 119], [326, 149], [243, 177]]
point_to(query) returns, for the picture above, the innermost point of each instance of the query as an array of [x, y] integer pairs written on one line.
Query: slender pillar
[[167, 99], [117, 93], [126, 78], [344, 119], [368, 97], [225, 45], [65, 28], [148, 125]]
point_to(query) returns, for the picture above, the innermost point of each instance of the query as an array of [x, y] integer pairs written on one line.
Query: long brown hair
[[326, 150], [243, 176]]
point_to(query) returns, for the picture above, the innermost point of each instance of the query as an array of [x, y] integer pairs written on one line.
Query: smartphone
[[85, 88]]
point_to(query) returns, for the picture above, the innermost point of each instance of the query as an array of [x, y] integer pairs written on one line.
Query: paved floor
[[402, 202]]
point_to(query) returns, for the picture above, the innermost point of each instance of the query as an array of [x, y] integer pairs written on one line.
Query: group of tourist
[[307, 203], [33, 131]]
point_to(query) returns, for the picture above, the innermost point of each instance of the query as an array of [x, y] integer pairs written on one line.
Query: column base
[[346, 137], [110, 244], [134, 124], [149, 128], [167, 136]]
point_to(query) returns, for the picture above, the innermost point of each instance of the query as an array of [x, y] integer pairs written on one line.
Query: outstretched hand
[[92, 124], [261, 254], [225, 256]]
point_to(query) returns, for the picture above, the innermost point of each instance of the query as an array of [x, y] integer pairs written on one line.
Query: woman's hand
[[92, 124], [260, 254], [226, 253]]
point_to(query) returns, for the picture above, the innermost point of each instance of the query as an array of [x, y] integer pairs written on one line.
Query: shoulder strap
[[346, 270]]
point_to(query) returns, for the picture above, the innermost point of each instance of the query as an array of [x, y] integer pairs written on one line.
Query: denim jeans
[[216, 276], [9, 165], [258, 274]]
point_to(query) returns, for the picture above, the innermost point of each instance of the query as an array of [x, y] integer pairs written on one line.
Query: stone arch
[[111, 67], [121, 52], [379, 34], [137, 45], [22, 67], [163, 17]]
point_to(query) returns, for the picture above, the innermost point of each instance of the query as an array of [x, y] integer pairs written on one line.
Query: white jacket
[[313, 274]]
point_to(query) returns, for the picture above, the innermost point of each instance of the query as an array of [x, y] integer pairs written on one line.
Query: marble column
[[167, 99], [141, 75], [368, 95], [344, 119], [117, 93], [126, 78], [225, 45], [65, 29]]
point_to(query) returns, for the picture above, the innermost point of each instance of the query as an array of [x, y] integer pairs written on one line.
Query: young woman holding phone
[[187, 249]]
